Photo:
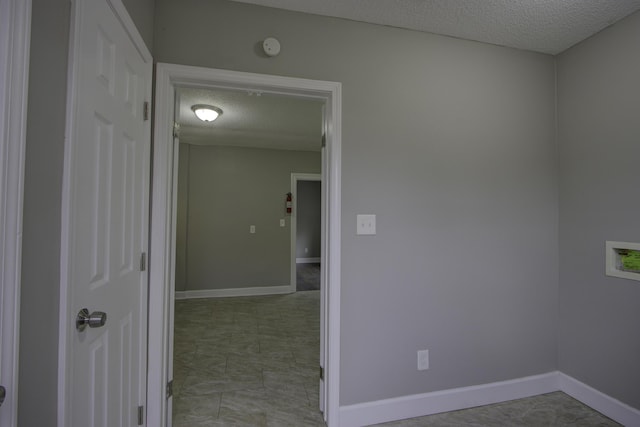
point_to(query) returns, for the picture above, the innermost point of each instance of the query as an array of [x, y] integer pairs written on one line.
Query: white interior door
[[105, 219]]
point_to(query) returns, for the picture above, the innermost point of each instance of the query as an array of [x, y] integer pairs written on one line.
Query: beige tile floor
[[253, 361]]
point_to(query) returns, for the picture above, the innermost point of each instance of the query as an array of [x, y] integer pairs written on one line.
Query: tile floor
[[548, 410], [307, 276], [249, 361], [253, 361]]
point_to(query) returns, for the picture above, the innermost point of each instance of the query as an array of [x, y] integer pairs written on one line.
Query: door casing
[[163, 220], [15, 32]]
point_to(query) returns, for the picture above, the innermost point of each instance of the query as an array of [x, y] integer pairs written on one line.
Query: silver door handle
[[97, 319]]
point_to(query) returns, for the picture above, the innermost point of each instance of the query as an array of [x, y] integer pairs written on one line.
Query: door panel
[[107, 220]]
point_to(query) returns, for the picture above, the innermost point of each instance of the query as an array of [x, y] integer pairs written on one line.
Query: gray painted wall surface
[[451, 144], [308, 219], [40, 286], [142, 13], [229, 190], [38, 374], [599, 134]]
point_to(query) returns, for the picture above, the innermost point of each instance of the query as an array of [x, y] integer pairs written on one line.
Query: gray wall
[[599, 134], [308, 219], [42, 202], [230, 189], [142, 14], [40, 285], [452, 144]]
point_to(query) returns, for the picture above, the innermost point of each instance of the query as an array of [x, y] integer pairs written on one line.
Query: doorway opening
[[306, 232], [163, 223], [242, 351]]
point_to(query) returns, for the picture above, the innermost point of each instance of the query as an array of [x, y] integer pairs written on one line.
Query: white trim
[[295, 177], [613, 264], [161, 263], [233, 292], [606, 405], [307, 260], [66, 312], [15, 32], [161, 279], [419, 405]]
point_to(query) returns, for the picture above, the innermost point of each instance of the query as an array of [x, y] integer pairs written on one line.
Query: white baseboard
[[419, 405], [307, 260], [233, 292], [607, 405]]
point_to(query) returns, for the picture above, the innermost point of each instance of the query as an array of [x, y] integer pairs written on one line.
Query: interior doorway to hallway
[[162, 255], [243, 353]]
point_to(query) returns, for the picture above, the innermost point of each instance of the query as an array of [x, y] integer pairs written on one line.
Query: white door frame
[[295, 177], [163, 213], [15, 33]]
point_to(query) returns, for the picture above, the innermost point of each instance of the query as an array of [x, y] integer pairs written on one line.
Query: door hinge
[[324, 140], [143, 261], [140, 415], [176, 130], [169, 389], [145, 112], [321, 373]]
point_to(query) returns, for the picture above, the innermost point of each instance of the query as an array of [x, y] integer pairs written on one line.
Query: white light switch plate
[[366, 225], [252, 229]]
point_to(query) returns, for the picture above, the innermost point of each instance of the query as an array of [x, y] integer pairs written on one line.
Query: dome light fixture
[[206, 113]]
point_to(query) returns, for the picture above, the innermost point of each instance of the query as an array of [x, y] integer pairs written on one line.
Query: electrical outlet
[[423, 360], [252, 229]]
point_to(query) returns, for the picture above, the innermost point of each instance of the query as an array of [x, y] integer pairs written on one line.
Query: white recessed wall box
[[623, 260]]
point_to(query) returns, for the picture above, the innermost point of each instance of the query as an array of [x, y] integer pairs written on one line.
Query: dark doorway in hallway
[[307, 276]]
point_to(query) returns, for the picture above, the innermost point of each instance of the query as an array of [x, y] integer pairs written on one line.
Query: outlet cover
[[423, 360], [366, 225]]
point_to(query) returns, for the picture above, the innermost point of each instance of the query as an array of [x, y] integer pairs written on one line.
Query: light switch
[[252, 229], [366, 225], [282, 222]]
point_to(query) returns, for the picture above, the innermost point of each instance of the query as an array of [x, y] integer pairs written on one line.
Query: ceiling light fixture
[[206, 113]]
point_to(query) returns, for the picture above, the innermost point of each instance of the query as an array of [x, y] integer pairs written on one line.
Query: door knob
[[96, 319], [3, 394]]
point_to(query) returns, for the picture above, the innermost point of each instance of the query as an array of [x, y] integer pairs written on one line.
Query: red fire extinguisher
[[288, 203]]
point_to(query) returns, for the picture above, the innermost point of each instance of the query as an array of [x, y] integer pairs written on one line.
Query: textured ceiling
[[548, 26], [250, 119]]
